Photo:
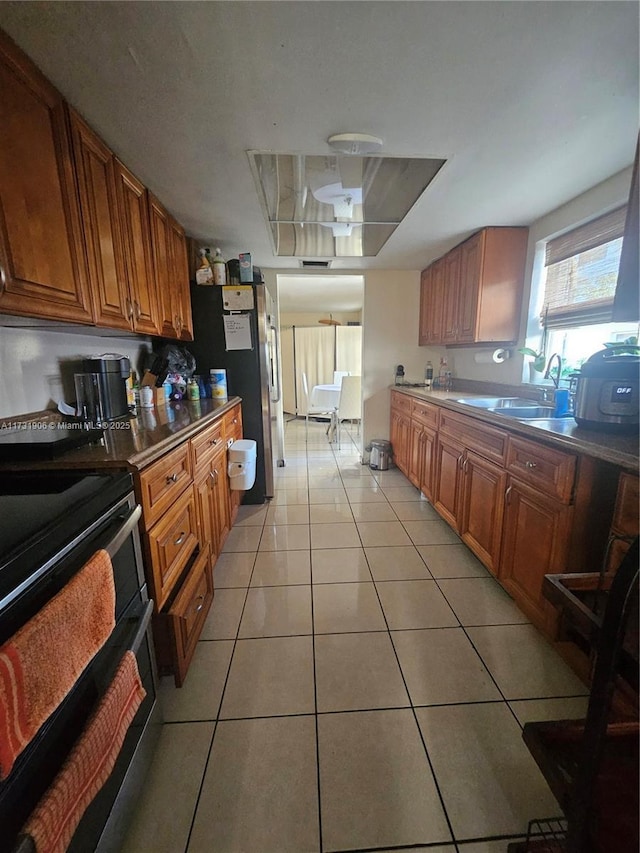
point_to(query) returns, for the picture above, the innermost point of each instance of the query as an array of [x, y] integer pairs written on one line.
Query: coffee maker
[[101, 391]]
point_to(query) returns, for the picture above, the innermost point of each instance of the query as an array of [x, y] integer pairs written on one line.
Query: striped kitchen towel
[[89, 764], [41, 662]]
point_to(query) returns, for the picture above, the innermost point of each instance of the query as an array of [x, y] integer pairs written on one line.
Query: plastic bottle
[[428, 375], [219, 269], [193, 390], [442, 374], [204, 273]]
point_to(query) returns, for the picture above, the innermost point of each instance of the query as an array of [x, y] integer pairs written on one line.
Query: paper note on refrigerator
[[237, 331]]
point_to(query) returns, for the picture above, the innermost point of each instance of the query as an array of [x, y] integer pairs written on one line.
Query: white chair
[[350, 403], [314, 410], [338, 374]]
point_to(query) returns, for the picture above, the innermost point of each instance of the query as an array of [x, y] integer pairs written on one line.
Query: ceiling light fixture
[[354, 143]]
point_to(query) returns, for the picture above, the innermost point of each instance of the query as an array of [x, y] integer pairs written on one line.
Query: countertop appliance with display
[[608, 391]]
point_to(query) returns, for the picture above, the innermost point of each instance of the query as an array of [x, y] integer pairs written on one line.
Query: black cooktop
[[43, 441], [41, 512]]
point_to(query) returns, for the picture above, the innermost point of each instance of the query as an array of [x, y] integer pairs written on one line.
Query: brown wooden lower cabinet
[[448, 459], [535, 542], [400, 441], [482, 508], [522, 506], [178, 628]]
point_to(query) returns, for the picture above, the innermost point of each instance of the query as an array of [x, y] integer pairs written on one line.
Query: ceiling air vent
[[315, 265]]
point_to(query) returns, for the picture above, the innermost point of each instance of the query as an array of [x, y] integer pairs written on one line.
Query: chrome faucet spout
[[547, 374]]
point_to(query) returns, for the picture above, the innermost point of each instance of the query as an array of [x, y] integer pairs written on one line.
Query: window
[[579, 282], [582, 271]]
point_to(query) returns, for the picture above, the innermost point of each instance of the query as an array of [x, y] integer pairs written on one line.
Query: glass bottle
[[219, 269]]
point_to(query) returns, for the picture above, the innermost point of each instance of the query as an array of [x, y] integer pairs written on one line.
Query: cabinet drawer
[[483, 440], [401, 402], [171, 542], [206, 444], [162, 482], [188, 612], [549, 470], [233, 424], [426, 413]]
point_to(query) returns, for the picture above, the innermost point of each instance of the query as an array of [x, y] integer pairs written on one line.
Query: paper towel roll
[[496, 356]]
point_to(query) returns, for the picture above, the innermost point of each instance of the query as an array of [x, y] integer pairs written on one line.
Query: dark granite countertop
[[133, 443], [617, 449]]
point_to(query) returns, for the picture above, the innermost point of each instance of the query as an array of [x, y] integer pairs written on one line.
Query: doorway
[[321, 332]]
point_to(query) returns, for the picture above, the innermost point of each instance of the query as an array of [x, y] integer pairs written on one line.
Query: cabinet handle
[[215, 471], [136, 308], [234, 421], [530, 465], [507, 495], [180, 538], [214, 441], [129, 305], [200, 598], [460, 458], [172, 478]]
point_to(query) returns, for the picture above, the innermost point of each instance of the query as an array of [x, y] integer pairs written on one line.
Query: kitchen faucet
[[547, 374]]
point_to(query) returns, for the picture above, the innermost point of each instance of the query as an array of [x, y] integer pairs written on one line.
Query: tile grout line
[[217, 717]]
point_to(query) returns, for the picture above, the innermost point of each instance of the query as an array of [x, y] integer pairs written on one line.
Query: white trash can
[[242, 464]]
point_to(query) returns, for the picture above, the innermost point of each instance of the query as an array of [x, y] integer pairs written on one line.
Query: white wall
[[37, 367], [389, 337]]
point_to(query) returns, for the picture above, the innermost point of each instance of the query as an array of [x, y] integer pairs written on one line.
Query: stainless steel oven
[[50, 524]]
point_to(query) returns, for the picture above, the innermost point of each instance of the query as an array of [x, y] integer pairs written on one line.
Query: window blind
[[582, 272]]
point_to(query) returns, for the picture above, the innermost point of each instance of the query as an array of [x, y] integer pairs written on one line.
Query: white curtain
[[349, 349], [314, 355]]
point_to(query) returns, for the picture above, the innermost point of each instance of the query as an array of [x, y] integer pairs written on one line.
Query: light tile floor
[[361, 682]]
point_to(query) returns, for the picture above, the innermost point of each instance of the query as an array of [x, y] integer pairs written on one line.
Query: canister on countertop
[[218, 379]]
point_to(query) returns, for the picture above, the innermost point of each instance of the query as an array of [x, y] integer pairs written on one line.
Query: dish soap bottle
[[219, 269]]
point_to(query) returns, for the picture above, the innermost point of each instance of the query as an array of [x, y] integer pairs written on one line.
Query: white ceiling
[[531, 103], [313, 293]]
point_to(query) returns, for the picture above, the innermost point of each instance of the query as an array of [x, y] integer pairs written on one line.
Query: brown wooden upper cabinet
[[479, 290], [134, 223], [431, 291], [171, 272], [95, 167], [42, 264]]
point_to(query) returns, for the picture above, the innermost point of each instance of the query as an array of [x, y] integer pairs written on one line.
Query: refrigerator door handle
[[274, 359]]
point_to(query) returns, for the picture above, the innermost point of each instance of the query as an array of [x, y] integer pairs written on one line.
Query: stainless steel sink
[[499, 402], [524, 413]]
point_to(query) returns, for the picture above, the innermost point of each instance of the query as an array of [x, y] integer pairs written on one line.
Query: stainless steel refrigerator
[[235, 330]]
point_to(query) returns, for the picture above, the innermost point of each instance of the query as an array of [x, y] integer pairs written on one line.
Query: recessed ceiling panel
[[337, 206]]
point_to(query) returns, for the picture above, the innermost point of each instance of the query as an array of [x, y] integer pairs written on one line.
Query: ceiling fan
[[330, 321]]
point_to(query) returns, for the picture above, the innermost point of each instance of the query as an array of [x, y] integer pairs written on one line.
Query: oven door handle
[[131, 519], [142, 627]]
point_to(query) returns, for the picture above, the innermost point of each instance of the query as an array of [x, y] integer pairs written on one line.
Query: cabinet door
[[448, 459], [482, 508], [428, 462], [470, 274], [415, 459], [535, 542], [451, 288], [97, 186], [180, 281], [42, 263], [425, 307], [220, 488], [205, 508], [134, 218], [161, 251]]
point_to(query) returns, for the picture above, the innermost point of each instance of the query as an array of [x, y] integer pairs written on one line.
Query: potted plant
[[538, 358]]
